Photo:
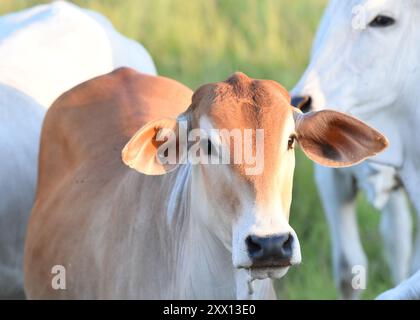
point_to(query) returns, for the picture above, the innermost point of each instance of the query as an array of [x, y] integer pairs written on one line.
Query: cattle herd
[[117, 183]]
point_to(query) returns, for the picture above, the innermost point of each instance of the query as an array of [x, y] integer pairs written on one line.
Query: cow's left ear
[[153, 148], [334, 139]]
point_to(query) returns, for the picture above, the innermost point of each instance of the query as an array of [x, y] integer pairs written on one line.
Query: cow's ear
[[334, 139], [153, 148]]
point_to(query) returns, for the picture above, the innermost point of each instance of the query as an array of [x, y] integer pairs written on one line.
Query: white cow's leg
[[337, 191], [415, 266], [411, 181], [396, 230]]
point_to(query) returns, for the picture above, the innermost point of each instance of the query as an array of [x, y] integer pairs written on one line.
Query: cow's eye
[[207, 147], [382, 21], [291, 142]]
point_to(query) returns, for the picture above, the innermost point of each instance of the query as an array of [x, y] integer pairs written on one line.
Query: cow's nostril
[[287, 246], [253, 246], [304, 103], [288, 242]]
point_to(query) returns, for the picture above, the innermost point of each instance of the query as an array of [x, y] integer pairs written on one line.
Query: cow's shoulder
[[123, 91], [115, 104]]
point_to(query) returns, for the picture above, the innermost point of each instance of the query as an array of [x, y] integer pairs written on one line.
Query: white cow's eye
[[382, 21], [291, 142]]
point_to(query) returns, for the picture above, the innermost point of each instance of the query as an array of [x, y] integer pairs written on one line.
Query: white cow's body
[[44, 51], [365, 61], [47, 49], [19, 131]]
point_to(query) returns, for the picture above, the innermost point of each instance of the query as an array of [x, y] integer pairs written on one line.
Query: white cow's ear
[[153, 149], [334, 139]]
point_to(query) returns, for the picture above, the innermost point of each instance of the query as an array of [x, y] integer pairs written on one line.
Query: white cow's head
[[245, 204], [365, 60]]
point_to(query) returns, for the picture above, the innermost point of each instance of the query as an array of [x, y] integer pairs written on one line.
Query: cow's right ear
[[335, 139], [153, 149]]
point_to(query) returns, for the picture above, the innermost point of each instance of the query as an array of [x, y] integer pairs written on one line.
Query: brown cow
[[178, 230]]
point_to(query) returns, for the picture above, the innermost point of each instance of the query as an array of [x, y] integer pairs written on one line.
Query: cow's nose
[[304, 103], [276, 250]]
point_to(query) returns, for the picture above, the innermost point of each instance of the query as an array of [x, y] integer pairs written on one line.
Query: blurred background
[[203, 41]]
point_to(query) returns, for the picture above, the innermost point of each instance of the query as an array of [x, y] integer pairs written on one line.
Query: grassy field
[[197, 41]]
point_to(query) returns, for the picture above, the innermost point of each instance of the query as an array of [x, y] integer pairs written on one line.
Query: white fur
[[48, 49], [178, 191], [407, 290], [44, 51], [20, 125], [373, 74]]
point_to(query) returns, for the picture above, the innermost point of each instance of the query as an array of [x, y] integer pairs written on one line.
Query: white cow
[[44, 51], [365, 61]]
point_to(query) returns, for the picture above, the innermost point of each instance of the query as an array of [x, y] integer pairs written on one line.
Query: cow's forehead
[[241, 102]]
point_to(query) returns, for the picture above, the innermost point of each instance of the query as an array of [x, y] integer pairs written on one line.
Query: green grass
[[198, 41]]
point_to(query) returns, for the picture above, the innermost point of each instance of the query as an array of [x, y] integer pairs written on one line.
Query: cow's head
[[365, 62], [244, 203]]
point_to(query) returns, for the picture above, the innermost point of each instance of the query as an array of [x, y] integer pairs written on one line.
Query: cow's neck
[[203, 265], [409, 129]]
